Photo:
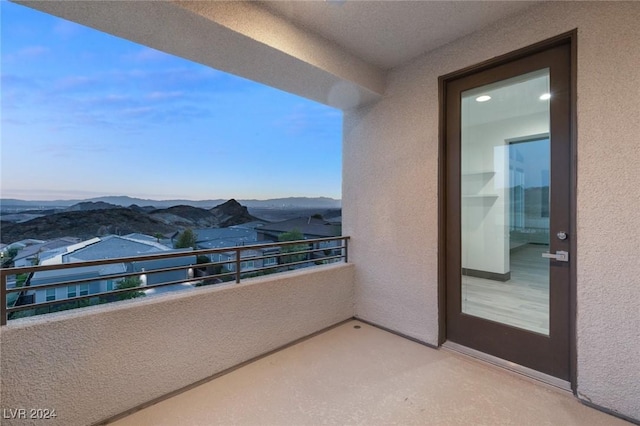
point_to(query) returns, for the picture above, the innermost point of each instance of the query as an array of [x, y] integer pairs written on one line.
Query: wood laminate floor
[[522, 302]]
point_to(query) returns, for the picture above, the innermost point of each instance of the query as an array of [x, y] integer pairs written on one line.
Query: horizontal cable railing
[[233, 263]]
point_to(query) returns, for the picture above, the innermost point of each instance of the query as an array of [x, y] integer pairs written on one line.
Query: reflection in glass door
[[505, 163]]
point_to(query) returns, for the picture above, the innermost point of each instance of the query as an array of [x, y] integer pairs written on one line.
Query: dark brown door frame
[[569, 38]]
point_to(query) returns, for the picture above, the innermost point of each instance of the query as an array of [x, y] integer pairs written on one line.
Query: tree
[[6, 258], [12, 252], [186, 239], [210, 269], [129, 282], [21, 279], [293, 235]]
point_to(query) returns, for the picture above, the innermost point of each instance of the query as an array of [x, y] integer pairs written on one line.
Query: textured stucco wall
[[95, 363], [390, 189]]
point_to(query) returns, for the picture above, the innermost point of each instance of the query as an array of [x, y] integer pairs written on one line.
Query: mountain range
[[93, 219], [10, 204]]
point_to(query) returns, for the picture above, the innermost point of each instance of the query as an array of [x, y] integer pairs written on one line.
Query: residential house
[[33, 254], [247, 260], [61, 293], [235, 236], [136, 236], [254, 224], [110, 247], [310, 227], [422, 87], [22, 244], [148, 277]]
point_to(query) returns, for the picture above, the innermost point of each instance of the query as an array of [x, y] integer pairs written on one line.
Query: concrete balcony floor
[[368, 376]]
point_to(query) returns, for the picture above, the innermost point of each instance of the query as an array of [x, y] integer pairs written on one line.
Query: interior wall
[[94, 363], [485, 226], [390, 189]]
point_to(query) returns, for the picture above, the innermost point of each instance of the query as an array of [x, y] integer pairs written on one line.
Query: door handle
[[560, 256]]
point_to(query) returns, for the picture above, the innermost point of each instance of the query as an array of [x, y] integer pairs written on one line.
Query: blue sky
[[86, 114]]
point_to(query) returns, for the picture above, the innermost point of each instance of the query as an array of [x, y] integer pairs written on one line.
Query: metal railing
[[288, 255]]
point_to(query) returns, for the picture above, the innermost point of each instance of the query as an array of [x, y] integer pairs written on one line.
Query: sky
[[86, 114]]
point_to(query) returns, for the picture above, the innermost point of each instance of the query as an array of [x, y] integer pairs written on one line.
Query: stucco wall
[[390, 189], [95, 363]]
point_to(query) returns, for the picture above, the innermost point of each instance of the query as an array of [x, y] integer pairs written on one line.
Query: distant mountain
[[90, 219], [294, 202], [185, 216], [84, 224], [10, 204], [232, 213], [91, 205], [144, 209], [223, 215]]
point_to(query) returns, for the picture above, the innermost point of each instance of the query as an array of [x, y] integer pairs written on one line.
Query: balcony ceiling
[[389, 33], [335, 52]]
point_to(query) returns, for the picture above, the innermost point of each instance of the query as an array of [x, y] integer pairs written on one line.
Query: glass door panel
[[504, 190]]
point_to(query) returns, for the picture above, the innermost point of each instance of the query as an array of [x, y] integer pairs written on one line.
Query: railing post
[[237, 266], [346, 250], [3, 298]]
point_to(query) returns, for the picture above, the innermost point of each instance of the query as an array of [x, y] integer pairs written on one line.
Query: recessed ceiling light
[[545, 96], [483, 98]]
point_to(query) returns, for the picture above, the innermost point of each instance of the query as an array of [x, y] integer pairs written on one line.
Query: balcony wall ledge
[[94, 363]]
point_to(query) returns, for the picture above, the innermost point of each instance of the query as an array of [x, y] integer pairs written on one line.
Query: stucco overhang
[[241, 38]]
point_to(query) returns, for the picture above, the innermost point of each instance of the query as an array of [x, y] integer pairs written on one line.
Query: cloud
[[161, 96], [74, 83], [66, 29], [295, 122], [11, 80], [13, 121], [137, 112], [26, 53], [308, 118], [33, 51], [123, 99], [194, 80], [147, 54], [109, 100], [171, 113], [64, 148], [48, 194], [117, 98], [182, 113], [18, 91], [19, 29]]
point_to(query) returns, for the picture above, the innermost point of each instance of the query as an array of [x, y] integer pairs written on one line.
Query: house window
[[71, 291], [270, 261], [84, 289], [247, 264], [50, 294]]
